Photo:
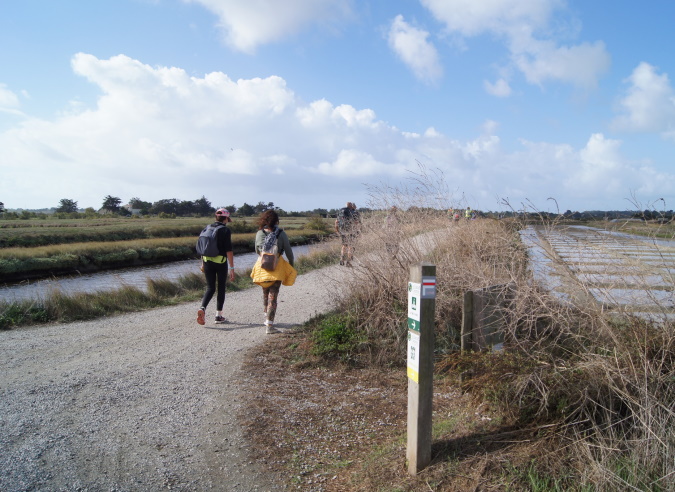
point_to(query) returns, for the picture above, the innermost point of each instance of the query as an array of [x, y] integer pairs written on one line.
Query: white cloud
[[490, 127], [500, 88], [252, 23], [601, 168], [472, 18], [649, 103], [579, 65], [8, 100], [352, 162], [411, 45], [519, 22]]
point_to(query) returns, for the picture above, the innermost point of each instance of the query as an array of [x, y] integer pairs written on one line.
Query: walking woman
[[268, 235], [215, 268]]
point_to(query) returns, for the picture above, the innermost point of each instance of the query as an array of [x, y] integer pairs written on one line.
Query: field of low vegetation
[[579, 399], [39, 248], [652, 228]]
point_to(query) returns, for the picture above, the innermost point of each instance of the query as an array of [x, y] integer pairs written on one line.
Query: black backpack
[[207, 244]]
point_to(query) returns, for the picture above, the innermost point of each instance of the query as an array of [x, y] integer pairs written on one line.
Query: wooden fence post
[[466, 342]]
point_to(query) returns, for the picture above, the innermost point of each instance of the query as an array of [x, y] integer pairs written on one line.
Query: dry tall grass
[[601, 382]]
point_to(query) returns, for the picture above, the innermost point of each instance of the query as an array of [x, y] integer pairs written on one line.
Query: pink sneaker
[[201, 316]]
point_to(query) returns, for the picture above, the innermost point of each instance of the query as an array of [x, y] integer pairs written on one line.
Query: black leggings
[[213, 271]]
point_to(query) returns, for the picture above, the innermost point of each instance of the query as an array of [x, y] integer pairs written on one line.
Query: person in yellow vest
[[215, 268], [467, 213]]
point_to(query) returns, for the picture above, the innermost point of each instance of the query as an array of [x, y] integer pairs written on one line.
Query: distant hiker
[[454, 215], [215, 246], [270, 239], [348, 225], [467, 213]]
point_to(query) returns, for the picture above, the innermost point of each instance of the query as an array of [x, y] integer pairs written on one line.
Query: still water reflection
[[109, 280]]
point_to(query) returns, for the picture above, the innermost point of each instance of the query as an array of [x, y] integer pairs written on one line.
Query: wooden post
[[421, 312], [467, 323]]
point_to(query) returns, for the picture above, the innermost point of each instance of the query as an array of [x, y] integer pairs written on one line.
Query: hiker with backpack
[[271, 270], [215, 247], [347, 225]]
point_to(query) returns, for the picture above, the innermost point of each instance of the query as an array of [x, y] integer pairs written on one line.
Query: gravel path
[[143, 401]]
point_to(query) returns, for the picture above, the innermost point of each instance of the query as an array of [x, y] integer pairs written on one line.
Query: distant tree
[[111, 203], [185, 207], [231, 208], [2, 207], [246, 210], [203, 207], [166, 206], [67, 206], [137, 203], [262, 207]]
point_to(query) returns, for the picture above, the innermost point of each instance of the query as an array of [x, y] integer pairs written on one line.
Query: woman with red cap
[[215, 268]]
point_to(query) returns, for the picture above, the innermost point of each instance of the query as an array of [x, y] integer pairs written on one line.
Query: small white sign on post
[[414, 305], [413, 356]]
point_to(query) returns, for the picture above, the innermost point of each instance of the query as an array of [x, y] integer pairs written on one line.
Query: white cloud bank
[[157, 133]]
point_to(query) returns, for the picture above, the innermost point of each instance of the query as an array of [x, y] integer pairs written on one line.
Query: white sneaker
[[271, 329]]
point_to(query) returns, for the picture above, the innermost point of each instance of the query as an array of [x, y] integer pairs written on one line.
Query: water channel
[[114, 279]]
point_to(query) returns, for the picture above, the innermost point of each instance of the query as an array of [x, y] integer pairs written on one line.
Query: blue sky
[[312, 103]]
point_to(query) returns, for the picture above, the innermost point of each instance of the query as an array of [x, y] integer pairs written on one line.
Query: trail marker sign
[[421, 312]]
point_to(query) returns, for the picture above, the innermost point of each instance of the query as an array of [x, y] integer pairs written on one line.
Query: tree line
[[170, 207]]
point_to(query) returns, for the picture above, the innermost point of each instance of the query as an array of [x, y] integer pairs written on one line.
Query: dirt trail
[[143, 401]]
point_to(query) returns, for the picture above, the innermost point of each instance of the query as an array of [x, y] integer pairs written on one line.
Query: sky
[[549, 105]]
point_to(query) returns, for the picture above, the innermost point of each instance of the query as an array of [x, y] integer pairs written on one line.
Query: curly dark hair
[[269, 219]]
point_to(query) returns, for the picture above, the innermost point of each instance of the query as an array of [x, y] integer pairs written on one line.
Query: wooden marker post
[[421, 311]]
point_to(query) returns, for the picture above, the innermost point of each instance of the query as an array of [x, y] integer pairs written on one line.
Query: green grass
[[646, 229], [335, 336]]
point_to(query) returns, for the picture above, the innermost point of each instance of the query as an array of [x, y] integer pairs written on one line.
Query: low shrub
[[240, 226], [335, 336], [163, 287], [318, 224]]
